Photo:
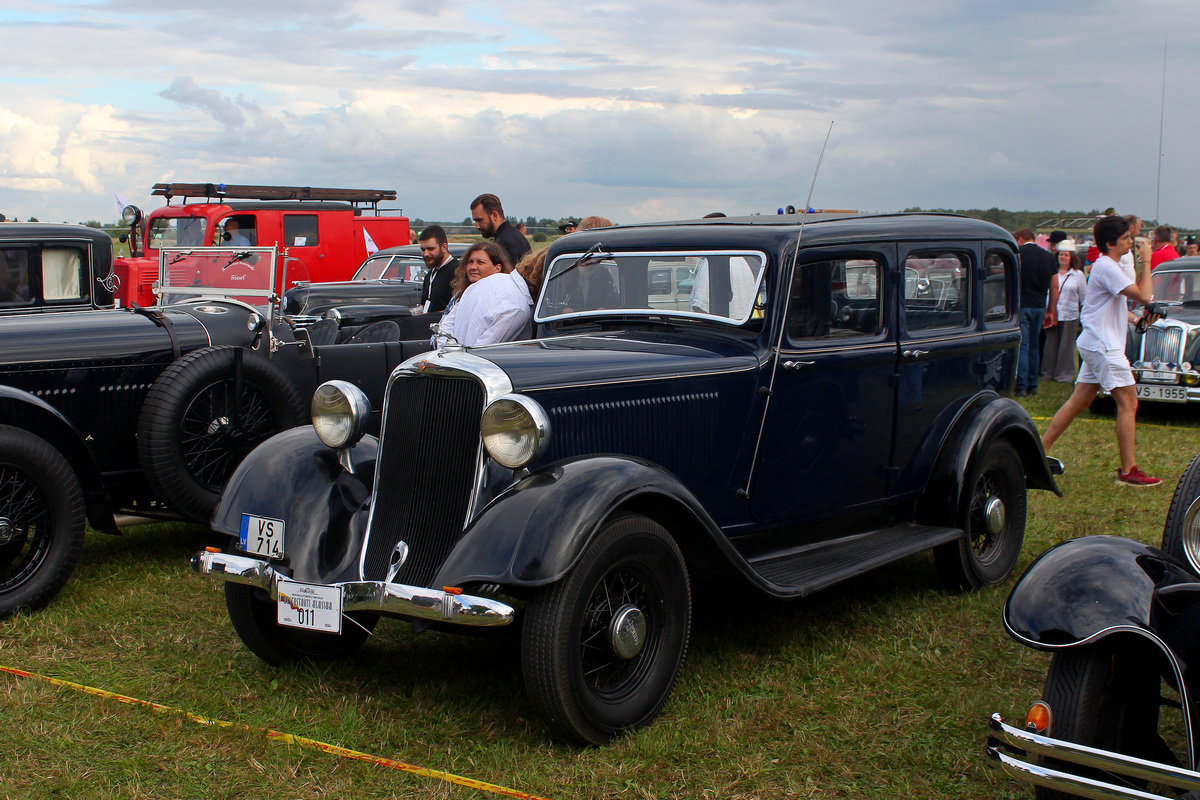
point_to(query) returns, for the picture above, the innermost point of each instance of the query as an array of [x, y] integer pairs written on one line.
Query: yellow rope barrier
[[280, 736]]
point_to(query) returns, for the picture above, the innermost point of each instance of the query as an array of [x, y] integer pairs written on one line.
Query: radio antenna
[[744, 492]]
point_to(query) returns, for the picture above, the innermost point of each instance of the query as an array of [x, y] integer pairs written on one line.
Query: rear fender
[[296, 478], [30, 413], [534, 533], [987, 417]]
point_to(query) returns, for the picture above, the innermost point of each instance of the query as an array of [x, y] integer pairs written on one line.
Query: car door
[[941, 345], [826, 441]]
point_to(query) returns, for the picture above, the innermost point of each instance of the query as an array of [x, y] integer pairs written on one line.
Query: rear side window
[[937, 291], [840, 299], [15, 287], [300, 230], [62, 269], [997, 271]]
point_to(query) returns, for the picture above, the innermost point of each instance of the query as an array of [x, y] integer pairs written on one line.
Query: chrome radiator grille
[[1163, 344], [426, 474]]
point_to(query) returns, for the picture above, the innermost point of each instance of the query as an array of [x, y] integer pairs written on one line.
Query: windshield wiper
[[596, 252], [179, 257], [236, 258]]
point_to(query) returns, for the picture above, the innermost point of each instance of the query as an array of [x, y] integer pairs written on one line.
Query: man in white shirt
[[1105, 317]]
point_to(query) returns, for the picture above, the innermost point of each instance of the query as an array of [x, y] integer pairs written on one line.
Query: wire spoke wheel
[[222, 424], [602, 648]]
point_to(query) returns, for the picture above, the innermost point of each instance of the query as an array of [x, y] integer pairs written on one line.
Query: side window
[[62, 269], [836, 300], [15, 290], [177, 232], [300, 230], [937, 291], [998, 269]]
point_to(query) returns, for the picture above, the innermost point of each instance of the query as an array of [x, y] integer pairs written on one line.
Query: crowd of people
[[1082, 305]]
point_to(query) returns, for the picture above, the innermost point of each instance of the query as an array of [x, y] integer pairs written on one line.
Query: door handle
[[915, 353], [795, 365]]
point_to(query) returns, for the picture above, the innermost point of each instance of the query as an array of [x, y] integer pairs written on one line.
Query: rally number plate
[[262, 536], [309, 606], [1170, 394]]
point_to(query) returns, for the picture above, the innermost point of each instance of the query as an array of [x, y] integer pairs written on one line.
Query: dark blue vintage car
[[777, 404]]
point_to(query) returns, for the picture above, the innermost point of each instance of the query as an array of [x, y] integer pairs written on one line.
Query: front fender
[[295, 477], [1084, 589], [535, 532]]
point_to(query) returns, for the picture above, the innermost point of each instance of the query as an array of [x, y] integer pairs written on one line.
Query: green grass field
[[877, 688]]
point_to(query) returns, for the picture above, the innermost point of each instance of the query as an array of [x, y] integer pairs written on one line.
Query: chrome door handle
[[795, 365], [915, 353]]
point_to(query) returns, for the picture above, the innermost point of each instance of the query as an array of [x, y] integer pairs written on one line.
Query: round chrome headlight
[[131, 215], [515, 430], [340, 412]]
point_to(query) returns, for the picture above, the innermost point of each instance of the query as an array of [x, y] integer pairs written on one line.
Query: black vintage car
[[47, 267], [120, 415], [777, 405]]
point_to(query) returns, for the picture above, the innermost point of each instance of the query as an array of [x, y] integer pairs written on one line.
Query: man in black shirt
[[1037, 268], [435, 289], [488, 215]]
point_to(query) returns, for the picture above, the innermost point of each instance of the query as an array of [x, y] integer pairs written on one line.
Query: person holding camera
[[1101, 346]]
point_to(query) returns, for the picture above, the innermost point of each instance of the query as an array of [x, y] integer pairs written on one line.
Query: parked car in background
[[329, 231], [1166, 358], [386, 286], [49, 267], [119, 415], [821, 417], [1120, 710]]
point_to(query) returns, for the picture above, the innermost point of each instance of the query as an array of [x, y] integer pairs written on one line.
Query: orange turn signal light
[[212, 549], [452, 590], [1038, 717]]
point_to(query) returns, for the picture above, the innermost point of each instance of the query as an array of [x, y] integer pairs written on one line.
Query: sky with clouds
[[655, 109]]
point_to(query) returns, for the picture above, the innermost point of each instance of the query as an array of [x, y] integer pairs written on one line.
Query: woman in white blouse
[[495, 305], [1058, 359]]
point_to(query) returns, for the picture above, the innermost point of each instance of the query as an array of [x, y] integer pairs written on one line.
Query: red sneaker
[[1135, 477]]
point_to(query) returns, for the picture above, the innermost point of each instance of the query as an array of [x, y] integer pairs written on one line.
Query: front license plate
[[1169, 394], [309, 606], [262, 536], [1159, 377]]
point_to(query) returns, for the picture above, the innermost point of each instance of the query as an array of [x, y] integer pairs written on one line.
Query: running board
[[808, 569]]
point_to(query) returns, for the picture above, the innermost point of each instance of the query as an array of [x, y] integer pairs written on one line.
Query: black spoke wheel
[[202, 416], [993, 520], [1175, 539], [253, 616], [1105, 696], [602, 648], [41, 521]]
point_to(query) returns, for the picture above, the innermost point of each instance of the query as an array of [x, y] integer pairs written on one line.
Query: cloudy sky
[[655, 109]]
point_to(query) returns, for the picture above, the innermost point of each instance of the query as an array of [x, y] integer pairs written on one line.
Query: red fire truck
[[326, 232]]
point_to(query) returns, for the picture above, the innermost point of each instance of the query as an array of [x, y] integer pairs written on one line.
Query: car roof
[[769, 232], [13, 231], [456, 249], [1183, 263]]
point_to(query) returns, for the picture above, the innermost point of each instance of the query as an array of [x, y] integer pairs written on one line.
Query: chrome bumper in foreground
[[376, 596], [1026, 748]]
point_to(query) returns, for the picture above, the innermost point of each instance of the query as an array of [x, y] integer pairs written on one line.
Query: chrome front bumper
[[1025, 748], [375, 596]]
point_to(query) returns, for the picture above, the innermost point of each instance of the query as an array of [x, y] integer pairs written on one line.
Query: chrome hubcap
[[627, 633], [993, 514], [6, 530]]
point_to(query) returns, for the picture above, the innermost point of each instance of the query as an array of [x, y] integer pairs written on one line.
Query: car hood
[[318, 298], [599, 358]]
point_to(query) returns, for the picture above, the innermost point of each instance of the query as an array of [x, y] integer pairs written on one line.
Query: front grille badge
[[397, 559]]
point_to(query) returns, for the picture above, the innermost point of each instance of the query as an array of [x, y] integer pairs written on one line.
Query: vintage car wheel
[[41, 521], [602, 648], [202, 416], [1104, 696], [1186, 492], [994, 520], [253, 617]]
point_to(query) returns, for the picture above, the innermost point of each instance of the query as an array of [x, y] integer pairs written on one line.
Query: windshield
[[391, 267], [1177, 287], [241, 273], [723, 285], [177, 232]]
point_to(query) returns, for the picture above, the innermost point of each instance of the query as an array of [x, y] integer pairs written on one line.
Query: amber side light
[[1038, 717], [212, 549], [452, 590]]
